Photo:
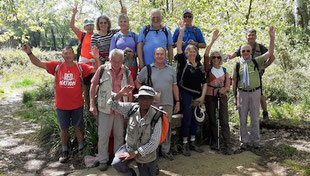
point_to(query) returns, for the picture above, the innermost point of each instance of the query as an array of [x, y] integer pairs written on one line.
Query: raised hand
[[95, 52], [215, 34], [124, 10], [26, 48], [271, 32], [181, 24], [74, 10], [126, 90]]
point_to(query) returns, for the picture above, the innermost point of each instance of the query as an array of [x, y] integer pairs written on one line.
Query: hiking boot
[[244, 146], [168, 156], [214, 146], [185, 150], [64, 157], [265, 115], [256, 145], [103, 166], [193, 146], [228, 151]]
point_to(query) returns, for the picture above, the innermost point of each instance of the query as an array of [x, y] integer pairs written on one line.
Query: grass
[[295, 166], [24, 83]]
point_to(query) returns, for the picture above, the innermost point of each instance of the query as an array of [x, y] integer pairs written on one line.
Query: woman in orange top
[[218, 86]]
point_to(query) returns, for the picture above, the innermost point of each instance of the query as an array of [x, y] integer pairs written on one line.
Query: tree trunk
[[301, 14], [54, 40]]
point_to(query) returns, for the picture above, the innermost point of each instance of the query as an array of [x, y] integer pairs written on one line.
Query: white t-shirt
[[217, 72]]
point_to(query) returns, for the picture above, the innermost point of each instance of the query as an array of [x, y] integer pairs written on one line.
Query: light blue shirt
[[153, 40]]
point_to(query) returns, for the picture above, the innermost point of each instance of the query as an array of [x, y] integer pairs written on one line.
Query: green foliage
[[24, 83], [29, 96], [295, 166]]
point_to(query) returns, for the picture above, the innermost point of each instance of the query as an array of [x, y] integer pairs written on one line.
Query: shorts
[[87, 79], [67, 118]]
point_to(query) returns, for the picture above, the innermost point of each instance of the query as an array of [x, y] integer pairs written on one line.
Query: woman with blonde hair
[[218, 86]]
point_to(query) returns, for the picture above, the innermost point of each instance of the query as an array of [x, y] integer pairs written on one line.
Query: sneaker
[[168, 156], [185, 150], [64, 157], [265, 115], [103, 166], [244, 146], [193, 146]]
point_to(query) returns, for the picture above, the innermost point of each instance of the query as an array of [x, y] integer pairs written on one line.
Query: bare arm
[[170, 54], [95, 54], [269, 62], [207, 52], [180, 37], [232, 55], [72, 23], [176, 95], [140, 54], [92, 93], [271, 45], [34, 60]]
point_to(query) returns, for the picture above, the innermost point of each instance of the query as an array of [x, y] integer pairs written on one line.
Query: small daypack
[[79, 68], [159, 114], [119, 35], [208, 74], [148, 29], [255, 67], [103, 67], [78, 51]]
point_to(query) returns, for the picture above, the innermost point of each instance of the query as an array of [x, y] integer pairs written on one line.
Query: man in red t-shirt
[[85, 56], [68, 95]]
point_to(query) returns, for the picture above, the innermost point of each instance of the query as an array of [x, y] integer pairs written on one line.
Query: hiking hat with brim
[[87, 22], [187, 11], [145, 90]]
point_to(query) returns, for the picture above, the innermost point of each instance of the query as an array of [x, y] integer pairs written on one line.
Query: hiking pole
[[218, 119]]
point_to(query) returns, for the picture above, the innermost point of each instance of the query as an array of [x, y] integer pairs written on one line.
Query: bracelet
[[177, 100], [29, 53]]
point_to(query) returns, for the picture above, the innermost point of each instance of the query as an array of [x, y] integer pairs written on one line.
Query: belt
[[250, 90]]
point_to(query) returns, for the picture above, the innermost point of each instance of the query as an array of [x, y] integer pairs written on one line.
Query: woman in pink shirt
[[218, 86]]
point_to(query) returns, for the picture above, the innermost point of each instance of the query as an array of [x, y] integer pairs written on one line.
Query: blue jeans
[[189, 123]]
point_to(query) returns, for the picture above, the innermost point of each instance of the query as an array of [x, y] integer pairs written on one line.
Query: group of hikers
[[126, 75]]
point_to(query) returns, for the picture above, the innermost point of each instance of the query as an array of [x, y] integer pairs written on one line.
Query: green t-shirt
[[253, 74]]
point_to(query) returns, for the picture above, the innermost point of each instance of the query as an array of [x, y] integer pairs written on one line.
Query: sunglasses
[[243, 51], [187, 16], [216, 57]]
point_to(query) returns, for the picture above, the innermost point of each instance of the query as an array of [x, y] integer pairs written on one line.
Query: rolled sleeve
[[121, 107], [153, 142]]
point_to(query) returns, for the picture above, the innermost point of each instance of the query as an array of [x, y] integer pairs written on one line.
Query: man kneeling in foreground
[[141, 138]]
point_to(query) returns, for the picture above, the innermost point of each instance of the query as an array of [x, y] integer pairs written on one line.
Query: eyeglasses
[[216, 57], [187, 16], [243, 51]]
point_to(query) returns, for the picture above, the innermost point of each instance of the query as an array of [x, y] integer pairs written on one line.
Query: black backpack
[[255, 67], [148, 29], [78, 51]]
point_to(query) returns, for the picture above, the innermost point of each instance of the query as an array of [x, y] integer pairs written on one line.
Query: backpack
[[148, 29], [149, 76], [78, 51], [195, 33], [79, 68], [119, 35], [159, 114], [103, 67], [255, 67]]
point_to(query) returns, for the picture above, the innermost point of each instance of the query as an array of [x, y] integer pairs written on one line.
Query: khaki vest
[[140, 134], [105, 89]]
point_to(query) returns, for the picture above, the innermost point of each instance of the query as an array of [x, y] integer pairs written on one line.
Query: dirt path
[[19, 154]]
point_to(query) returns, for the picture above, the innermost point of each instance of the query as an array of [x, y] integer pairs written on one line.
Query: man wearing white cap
[[141, 137]]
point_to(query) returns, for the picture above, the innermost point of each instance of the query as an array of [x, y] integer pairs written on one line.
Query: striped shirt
[[103, 41]]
